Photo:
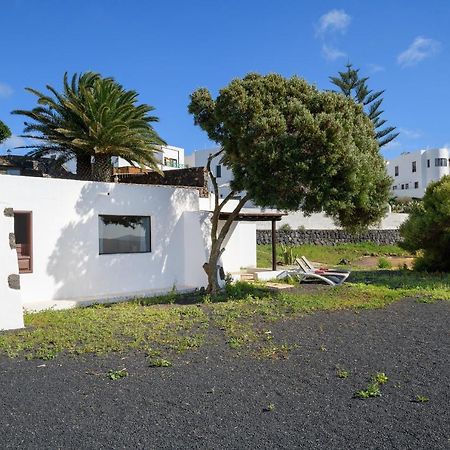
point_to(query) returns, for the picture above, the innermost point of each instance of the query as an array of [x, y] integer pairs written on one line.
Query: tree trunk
[[211, 268], [102, 169], [84, 167]]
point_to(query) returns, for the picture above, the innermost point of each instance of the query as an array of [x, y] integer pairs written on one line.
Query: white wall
[[10, 299], [240, 247], [320, 221], [66, 260]]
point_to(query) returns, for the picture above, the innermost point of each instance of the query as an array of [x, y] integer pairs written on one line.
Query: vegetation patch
[[330, 255], [244, 314], [117, 374]]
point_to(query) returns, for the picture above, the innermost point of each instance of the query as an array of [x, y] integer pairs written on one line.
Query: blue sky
[[166, 49]]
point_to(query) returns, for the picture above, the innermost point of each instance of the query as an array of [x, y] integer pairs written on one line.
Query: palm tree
[[93, 117]]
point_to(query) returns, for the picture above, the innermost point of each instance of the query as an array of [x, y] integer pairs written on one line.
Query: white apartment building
[[413, 171], [169, 157]]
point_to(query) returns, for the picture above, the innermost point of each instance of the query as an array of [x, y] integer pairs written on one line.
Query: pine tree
[[356, 88]]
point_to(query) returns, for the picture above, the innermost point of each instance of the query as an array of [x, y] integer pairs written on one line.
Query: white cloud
[[5, 90], [411, 134], [332, 53], [420, 49], [336, 20], [374, 68]]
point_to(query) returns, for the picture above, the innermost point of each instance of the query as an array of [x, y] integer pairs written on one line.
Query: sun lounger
[[342, 273], [336, 277]]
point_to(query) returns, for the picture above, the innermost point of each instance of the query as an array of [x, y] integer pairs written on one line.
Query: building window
[[416, 185], [170, 162], [414, 166], [218, 171], [394, 188], [407, 186], [428, 163], [403, 186], [396, 171], [23, 231], [124, 234], [440, 162]]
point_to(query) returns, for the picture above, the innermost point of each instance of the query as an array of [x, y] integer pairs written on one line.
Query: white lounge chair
[[335, 272], [303, 269], [304, 274]]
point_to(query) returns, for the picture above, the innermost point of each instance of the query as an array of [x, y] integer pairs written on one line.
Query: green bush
[[384, 263], [427, 229], [285, 227]]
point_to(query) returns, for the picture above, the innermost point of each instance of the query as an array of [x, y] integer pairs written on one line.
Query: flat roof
[[253, 217]]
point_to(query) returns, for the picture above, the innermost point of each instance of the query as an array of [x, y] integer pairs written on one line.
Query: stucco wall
[[320, 221], [10, 298], [67, 264]]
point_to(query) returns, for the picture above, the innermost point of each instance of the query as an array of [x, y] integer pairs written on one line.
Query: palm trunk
[[84, 167], [102, 169]]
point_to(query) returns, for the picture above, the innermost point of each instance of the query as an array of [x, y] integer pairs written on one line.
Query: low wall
[[193, 177], [327, 237]]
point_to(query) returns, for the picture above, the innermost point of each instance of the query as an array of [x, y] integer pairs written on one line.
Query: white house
[[169, 157], [413, 171], [199, 158], [78, 242]]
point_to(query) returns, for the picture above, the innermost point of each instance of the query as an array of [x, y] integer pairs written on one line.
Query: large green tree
[[351, 85], [427, 228], [5, 132], [92, 117], [291, 146]]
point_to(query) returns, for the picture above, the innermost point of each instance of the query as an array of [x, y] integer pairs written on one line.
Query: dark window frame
[[414, 166], [438, 161], [396, 171], [428, 163], [30, 236], [219, 171], [416, 185], [126, 215]]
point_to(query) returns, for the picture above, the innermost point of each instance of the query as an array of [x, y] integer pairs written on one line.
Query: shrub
[[384, 263], [288, 254], [427, 229], [285, 227]]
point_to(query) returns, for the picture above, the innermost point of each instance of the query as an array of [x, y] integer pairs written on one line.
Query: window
[[416, 185], [124, 234], [440, 162], [414, 166], [394, 188], [170, 162], [218, 171], [407, 186], [428, 163], [396, 171], [23, 231], [403, 186]]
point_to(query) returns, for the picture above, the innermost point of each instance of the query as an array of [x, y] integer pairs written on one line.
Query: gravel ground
[[213, 398]]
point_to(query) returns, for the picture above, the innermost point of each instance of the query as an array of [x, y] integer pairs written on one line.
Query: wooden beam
[[274, 244]]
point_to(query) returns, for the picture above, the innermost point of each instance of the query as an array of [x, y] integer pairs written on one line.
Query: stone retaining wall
[[328, 237]]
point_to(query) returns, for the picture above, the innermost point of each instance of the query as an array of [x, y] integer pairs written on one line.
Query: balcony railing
[[175, 164]]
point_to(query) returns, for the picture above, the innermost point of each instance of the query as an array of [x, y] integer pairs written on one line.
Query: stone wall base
[[328, 237]]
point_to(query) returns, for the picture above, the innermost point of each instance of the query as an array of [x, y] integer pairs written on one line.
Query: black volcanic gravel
[[213, 398]]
